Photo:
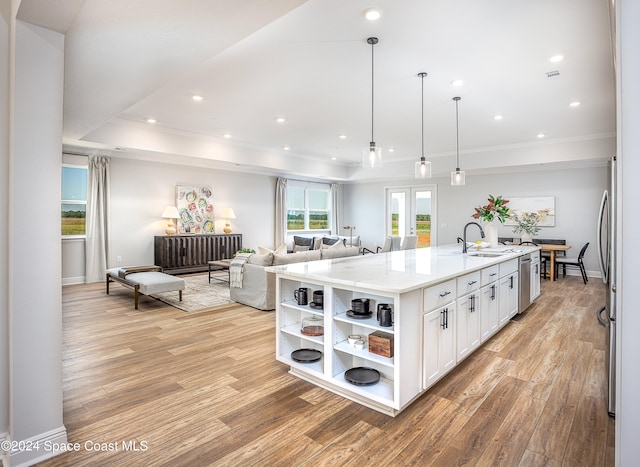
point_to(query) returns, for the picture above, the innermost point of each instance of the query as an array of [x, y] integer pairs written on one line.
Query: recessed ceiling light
[[334, 158], [227, 135], [457, 82], [540, 135], [342, 136], [372, 14], [556, 58], [497, 117], [197, 98], [151, 120], [392, 150], [281, 119], [574, 104], [286, 148]]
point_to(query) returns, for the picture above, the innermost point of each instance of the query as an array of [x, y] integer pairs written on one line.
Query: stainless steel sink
[[487, 254]]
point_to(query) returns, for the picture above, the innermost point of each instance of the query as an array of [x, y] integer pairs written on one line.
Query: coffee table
[[219, 265]]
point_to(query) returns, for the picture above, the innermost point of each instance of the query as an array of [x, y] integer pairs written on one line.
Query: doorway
[[412, 211]]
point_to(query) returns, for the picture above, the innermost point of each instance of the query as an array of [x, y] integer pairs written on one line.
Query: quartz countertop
[[399, 271]]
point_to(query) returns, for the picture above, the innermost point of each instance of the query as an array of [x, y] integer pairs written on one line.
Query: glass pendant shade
[[423, 168], [457, 177], [372, 156]]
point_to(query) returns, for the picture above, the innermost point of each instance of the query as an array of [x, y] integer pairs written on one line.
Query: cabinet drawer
[[535, 256], [468, 283], [440, 294], [508, 267], [489, 275]]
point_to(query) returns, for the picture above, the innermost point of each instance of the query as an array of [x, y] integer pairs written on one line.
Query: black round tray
[[306, 355], [362, 376], [353, 315]]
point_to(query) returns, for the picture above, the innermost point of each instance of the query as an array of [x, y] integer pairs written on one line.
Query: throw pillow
[[328, 241], [302, 241], [337, 245], [281, 250], [297, 248]]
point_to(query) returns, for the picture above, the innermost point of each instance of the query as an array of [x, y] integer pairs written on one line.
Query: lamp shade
[[170, 212], [227, 213]]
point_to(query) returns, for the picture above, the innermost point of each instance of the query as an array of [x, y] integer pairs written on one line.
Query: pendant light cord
[[422, 75], [372, 44], [457, 140]]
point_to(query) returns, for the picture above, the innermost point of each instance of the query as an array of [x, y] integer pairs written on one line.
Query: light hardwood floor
[[204, 388]]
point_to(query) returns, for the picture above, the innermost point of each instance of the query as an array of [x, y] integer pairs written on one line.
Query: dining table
[[552, 249]]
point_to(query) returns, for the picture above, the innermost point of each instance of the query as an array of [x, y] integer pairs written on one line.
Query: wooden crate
[[381, 343]]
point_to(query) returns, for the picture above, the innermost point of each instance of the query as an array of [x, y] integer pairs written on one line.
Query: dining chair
[[567, 261], [410, 242], [388, 245]]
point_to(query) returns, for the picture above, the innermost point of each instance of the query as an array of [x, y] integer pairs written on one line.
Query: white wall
[[577, 195], [35, 309], [141, 190], [4, 196]]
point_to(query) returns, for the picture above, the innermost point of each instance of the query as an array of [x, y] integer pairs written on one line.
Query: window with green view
[[74, 200], [308, 208]]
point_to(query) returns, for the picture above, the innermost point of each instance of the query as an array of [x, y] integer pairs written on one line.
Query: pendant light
[[372, 155], [423, 166], [457, 176]]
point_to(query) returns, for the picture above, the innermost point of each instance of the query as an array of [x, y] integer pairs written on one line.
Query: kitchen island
[[445, 304]]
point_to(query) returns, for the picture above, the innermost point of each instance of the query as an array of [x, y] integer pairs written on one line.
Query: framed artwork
[[195, 208], [544, 206]]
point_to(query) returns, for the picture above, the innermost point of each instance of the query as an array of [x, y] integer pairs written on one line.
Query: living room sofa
[[259, 286]]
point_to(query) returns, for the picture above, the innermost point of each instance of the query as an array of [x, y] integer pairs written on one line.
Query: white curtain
[[335, 214], [281, 212], [96, 246]]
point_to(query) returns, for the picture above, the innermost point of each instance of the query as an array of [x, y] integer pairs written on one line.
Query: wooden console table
[[192, 253]]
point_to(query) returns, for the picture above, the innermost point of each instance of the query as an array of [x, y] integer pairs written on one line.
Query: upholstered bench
[[145, 280]]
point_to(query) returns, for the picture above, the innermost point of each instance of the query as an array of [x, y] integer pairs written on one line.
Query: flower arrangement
[[526, 222], [496, 209]]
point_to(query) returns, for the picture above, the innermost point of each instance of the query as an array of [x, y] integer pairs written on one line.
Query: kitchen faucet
[[464, 235]]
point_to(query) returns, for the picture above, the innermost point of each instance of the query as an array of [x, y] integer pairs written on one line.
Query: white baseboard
[[37, 448], [73, 280]]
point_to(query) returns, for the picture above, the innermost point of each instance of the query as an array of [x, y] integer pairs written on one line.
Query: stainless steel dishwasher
[[525, 283]]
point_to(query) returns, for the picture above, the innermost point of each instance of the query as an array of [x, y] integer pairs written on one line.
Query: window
[[308, 207], [74, 200]]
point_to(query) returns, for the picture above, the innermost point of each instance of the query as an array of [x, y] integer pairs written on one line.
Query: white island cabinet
[[437, 298]]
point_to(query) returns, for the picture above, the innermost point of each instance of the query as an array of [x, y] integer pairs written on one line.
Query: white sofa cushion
[[332, 253], [300, 257]]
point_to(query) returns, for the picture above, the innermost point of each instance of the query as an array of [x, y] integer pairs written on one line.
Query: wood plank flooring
[[204, 388]]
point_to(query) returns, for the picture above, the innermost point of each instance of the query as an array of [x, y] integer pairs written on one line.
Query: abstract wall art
[[544, 206], [195, 208]]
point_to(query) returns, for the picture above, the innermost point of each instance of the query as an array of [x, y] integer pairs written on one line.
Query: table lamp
[[227, 213], [171, 213]]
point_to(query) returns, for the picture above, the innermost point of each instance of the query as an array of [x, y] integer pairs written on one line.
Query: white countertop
[[398, 271]]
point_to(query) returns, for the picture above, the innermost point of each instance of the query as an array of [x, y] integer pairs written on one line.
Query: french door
[[412, 211]]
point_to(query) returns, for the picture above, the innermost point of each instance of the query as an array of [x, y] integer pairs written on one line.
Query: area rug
[[198, 293]]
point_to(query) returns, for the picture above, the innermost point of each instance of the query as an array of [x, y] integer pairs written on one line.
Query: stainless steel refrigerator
[[607, 255]]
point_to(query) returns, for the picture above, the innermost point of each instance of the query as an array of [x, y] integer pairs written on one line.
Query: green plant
[[496, 209], [526, 222], [244, 250]]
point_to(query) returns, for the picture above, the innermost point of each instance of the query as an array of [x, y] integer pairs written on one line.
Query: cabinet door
[[535, 281], [488, 311], [439, 355], [507, 298], [467, 325]]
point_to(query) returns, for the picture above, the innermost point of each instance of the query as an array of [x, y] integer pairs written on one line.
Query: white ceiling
[[309, 62]]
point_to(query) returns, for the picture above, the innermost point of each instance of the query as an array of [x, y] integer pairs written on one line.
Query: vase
[[526, 237], [491, 233]]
